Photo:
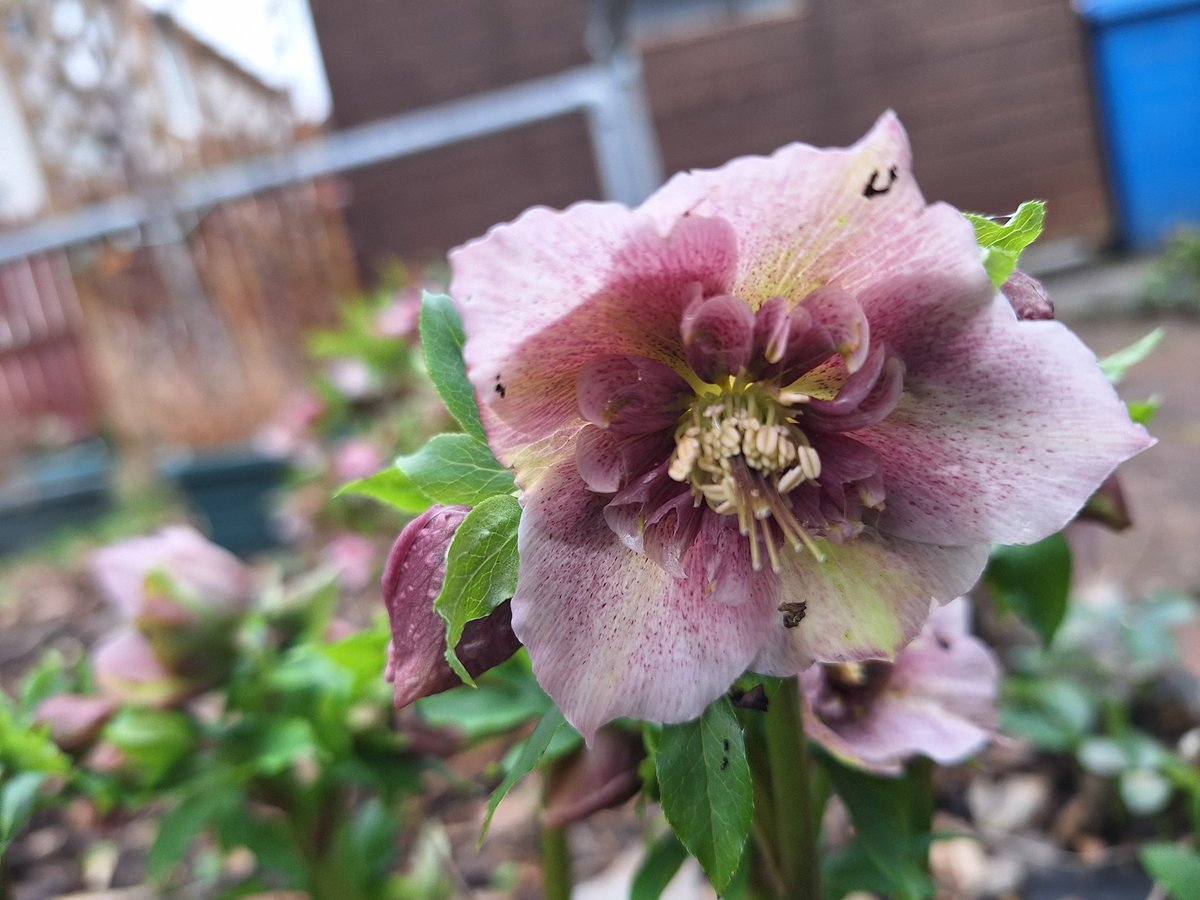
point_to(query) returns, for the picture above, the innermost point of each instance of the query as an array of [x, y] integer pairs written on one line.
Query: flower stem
[[795, 818], [556, 864]]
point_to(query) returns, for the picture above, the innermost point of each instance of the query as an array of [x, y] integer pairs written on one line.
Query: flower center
[[741, 448]]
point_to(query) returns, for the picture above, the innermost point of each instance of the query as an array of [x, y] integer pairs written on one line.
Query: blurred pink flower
[[356, 458], [938, 699], [75, 720], [400, 318], [762, 420], [412, 579], [172, 575], [128, 670], [289, 433], [353, 555], [351, 377]]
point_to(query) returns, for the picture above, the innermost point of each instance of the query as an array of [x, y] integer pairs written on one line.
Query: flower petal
[[868, 599], [718, 336], [1003, 431], [543, 296], [609, 631], [804, 215]]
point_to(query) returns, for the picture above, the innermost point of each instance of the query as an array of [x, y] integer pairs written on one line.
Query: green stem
[[795, 818], [556, 864]]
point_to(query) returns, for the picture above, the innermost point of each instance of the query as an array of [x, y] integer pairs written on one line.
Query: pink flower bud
[[411, 582], [600, 776]]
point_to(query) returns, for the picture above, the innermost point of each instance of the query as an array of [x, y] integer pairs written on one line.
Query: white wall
[[22, 187]]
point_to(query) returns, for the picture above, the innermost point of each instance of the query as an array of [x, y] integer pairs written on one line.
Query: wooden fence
[[187, 334]]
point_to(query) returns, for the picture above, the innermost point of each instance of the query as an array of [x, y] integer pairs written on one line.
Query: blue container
[[1146, 57]]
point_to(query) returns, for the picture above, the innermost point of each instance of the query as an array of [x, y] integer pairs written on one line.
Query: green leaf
[[1175, 867], [1145, 791], [507, 696], [1033, 581], [391, 486], [17, 798], [456, 468], [1053, 714], [1144, 411], [704, 779], [1002, 244], [658, 868], [154, 740], [1116, 366], [535, 745], [481, 570], [882, 810], [442, 337], [183, 824]]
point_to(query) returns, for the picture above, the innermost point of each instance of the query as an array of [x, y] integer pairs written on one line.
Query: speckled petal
[[1004, 430], [868, 599], [612, 634], [543, 296], [718, 336]]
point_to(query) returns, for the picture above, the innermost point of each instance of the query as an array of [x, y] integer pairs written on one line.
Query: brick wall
[[995, 97]]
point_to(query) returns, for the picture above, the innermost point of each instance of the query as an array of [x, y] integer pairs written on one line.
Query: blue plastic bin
[[1146, 58]]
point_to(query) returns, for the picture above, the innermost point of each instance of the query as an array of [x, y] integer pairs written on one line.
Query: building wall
[[385, 57], [995, 97]]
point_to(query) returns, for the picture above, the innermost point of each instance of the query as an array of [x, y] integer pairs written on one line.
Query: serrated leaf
[[1002, 243], [658, 868], [456, 468], [481, 570], [1116, 366], [1033, 581], [704, 780], [442, 338], [531, 751], [1175, 867], [391, 486]]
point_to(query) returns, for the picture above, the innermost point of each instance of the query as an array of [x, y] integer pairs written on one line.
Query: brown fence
[[190, 342]]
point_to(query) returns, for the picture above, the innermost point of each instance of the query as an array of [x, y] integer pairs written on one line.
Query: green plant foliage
[[1175, 867], [889, 816], [531, 752], [1116, 366], [662, 861], [456, 468], [391, 486], [1032, 581], [704, 780], [504, 698], [442, 338], [1003, 243], [481, 570]]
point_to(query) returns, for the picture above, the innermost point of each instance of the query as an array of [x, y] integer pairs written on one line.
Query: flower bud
[[1028, 297], [600, 776], [411, 582]]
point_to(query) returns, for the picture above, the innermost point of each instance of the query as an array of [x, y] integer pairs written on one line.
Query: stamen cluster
[[743, 451]]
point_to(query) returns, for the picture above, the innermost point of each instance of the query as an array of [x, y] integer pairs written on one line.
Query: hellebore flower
[[937, 699], [183, 593], [763, 420], [412, 579]]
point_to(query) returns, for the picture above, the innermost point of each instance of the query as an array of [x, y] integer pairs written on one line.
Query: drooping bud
[[1107, 506], [596, 777], [411, 582], [1028, 298]]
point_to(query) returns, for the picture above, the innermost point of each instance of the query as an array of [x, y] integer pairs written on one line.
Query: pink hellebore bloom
[[194, 571], [412, 579], [763, 420], [938, 699]]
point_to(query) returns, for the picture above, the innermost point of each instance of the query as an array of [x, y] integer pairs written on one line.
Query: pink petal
[[803, 217], [543, 296], [612, 634], [1004, 430], [718, 336], [867, 600]]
